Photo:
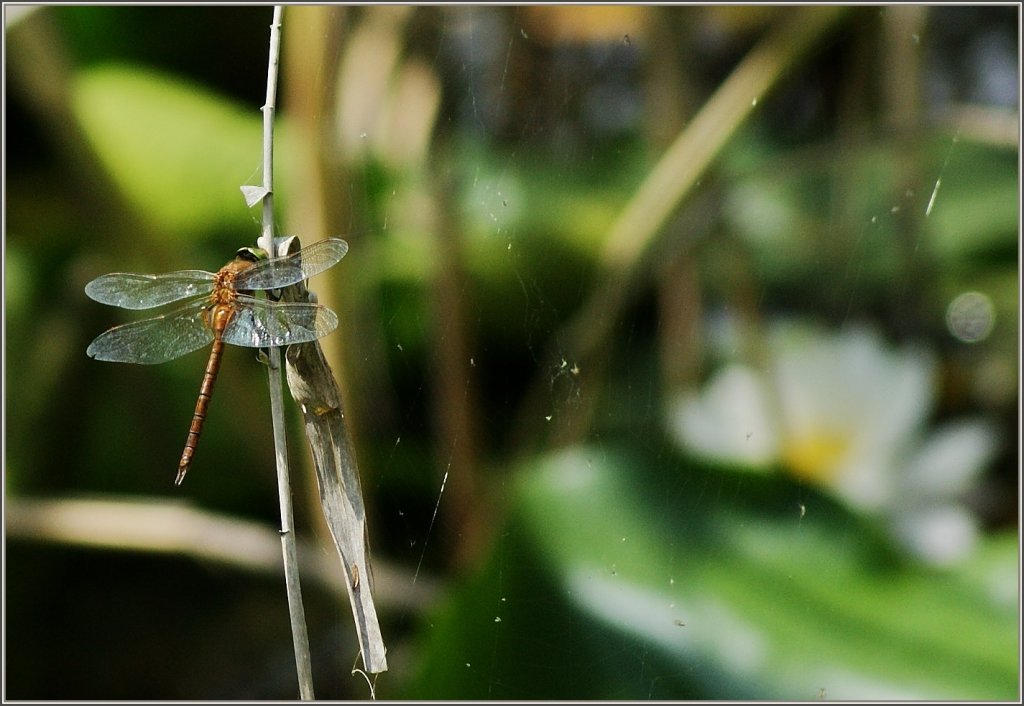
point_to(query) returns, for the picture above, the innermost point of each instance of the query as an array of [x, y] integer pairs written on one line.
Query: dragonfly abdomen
[[220, 315]]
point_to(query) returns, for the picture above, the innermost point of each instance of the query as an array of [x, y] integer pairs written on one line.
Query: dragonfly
[[221, 308]]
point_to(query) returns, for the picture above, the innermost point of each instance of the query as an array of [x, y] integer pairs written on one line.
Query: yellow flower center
[[815, 457]]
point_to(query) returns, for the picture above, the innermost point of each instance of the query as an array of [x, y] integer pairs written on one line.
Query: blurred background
[[679, 348]]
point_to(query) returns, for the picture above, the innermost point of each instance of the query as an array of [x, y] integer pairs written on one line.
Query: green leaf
[[781, 592], [178, 152], [975, 202], [627, 576]]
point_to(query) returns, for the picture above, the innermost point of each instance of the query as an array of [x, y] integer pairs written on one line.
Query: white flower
[[846, 413]]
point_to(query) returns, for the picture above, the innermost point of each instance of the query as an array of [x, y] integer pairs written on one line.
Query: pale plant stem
[[300, 639]]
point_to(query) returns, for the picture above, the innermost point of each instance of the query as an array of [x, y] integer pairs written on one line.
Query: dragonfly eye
[[252, 254]]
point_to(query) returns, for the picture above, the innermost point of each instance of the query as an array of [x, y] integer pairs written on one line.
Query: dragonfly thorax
[[224, 280]]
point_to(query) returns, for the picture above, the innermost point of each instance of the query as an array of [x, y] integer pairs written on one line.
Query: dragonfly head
[[251, 254]]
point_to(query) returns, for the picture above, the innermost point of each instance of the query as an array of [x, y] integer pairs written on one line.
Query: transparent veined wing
[[259, 323], [155, 340], [283, 271], [133, 291]]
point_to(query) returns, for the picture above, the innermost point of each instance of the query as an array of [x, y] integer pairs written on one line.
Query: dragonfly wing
[[283, 271], [258, 323], [133, 291], [155, 340]]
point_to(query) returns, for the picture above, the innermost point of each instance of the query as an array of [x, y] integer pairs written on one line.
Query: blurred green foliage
[[615, 567], [676, 579], [157, 176]]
